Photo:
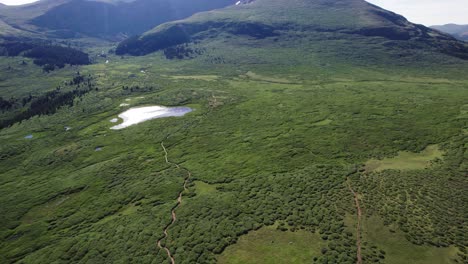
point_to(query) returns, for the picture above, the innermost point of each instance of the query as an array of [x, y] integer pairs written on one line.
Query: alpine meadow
[[230, 132]]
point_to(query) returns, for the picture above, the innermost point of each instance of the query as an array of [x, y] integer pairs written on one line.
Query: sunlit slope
[[281, 20]]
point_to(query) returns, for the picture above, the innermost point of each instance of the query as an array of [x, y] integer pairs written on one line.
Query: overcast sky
[[427, 12]]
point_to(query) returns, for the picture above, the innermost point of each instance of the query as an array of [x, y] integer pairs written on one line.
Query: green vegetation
[[202, 188], [323, 122], [258, 77], [56, 56], [424, 204], [16, 110], [194, 77], [258, 157], [46, 55], [399, 250], [406, 160], [279, 125], [269, 245], [274, 20]]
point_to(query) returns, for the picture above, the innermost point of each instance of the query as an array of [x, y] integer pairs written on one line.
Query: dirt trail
[[213, 103], [179, 202], [358, 227]]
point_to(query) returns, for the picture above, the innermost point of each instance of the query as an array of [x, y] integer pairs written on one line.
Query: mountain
[[458, 31], [104, 18], [344, 19], [18, 17], [8, 30]]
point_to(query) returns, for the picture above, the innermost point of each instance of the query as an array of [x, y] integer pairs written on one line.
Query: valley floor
[[270, 167]]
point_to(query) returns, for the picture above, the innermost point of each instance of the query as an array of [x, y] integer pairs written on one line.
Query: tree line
[[47, 103], [48, 56]]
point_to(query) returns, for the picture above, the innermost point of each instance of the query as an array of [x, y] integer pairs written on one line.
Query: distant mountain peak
[[458, 31]]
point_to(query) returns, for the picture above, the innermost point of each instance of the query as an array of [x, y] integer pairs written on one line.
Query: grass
[[323, 122], [406, 160], [194, 77], [463, 112], [269, 245], [258, 77], [202, 188], [45, 210], [399, 250]]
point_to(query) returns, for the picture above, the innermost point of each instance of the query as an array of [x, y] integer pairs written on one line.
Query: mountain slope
[[267, 18], [7, 29], [103, 18], [458, 31]]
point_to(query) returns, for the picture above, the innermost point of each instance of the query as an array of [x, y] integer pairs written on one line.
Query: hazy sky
[[427, 12]]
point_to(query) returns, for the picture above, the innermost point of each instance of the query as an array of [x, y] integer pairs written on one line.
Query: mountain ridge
[[458, 31], [103, 18], [262, 18]]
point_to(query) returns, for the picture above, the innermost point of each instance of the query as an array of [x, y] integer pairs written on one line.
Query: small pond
[[137, 115]]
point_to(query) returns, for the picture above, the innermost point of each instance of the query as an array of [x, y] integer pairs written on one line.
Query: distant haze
[[427, 12]]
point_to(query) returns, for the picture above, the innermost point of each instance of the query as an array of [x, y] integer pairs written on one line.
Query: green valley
[[300, 108]]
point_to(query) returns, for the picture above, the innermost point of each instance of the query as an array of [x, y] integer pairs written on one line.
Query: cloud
[[16, 2]]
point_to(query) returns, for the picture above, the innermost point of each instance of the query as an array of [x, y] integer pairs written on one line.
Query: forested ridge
[[46, 55]]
